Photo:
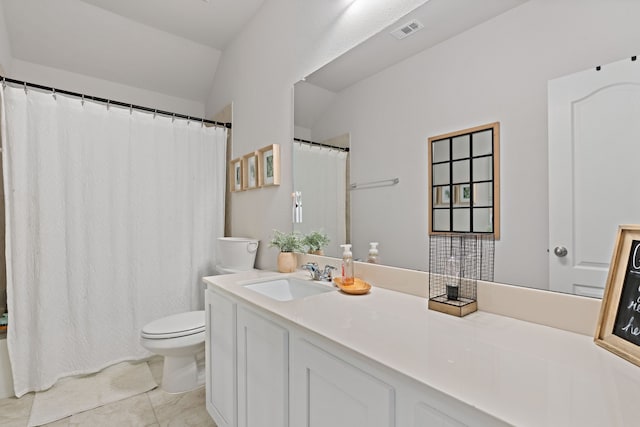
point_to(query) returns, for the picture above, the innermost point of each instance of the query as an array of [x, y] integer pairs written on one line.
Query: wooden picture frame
[[463, 194], [269, 165], [618, 328], [250, 166], [443, 196], [448, 157], [236, 175]]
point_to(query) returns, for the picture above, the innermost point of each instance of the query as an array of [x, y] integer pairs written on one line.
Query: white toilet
[[180, 337]]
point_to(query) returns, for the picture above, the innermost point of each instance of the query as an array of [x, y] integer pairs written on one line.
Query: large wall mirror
[[386, 97]]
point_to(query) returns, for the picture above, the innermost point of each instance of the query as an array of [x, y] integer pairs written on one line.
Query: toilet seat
[[175, 326]]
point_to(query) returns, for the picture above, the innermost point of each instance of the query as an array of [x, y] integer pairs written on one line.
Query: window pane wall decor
[[465, 181]]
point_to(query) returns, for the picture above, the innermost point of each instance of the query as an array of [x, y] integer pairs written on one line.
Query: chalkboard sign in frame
[[618, 328]]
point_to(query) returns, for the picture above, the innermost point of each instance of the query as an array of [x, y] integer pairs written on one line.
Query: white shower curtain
[[320, 174], [112, 217]]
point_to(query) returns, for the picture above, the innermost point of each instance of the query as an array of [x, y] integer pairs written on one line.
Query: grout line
[[153, 408]]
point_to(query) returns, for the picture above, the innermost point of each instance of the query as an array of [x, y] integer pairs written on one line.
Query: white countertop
[[522, 373]]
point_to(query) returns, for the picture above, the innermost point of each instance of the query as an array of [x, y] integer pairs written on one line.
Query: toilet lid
[[177, 325]]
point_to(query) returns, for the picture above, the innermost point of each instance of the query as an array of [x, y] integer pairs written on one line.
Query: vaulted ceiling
[[169, 46], [173, 47]]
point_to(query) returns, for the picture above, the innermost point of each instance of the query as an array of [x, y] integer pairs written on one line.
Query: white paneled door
[[594, 153]]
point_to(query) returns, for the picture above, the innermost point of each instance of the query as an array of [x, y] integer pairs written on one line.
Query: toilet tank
[[236, 253]]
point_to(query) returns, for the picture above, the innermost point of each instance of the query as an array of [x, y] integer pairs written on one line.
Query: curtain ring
[[108, 104], [202, 122], [130, 109], [53, 93], [82, 100], [154, 113], [173, 119], [25, 87], [4, 83]]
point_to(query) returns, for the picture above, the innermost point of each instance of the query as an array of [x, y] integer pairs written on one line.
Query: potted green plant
[[288, 243], [315, 241]]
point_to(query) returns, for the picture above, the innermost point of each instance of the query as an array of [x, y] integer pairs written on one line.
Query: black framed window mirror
[[464, 168]]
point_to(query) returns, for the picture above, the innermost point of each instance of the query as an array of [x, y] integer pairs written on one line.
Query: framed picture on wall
[[269, 165], [463, 194], [235, 175], [250, 171], [443, 196]]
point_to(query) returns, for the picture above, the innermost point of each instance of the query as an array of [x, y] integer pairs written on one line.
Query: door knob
[[560, 251]]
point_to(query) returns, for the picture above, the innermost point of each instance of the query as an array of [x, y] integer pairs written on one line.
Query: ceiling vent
[[407, 29]]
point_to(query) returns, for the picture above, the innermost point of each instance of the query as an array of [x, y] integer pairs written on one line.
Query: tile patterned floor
[[153, 409]]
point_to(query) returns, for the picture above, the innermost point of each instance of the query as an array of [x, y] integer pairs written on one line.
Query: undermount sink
[[289, 288]]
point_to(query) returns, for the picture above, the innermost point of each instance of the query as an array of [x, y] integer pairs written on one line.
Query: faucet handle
[[313, 269], [326, 273]]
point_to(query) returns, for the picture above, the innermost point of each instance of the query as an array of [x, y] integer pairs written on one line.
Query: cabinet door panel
[[221, 359], [263, 372], [426, 416], [329, 391]]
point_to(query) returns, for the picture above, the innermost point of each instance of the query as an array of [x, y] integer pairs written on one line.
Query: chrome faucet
[[315, 272], [313, 269]]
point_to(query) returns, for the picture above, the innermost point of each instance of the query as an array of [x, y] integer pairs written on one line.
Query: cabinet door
[[263, 371], [220, 345], [328, 391], [427, 416], [421, 406]]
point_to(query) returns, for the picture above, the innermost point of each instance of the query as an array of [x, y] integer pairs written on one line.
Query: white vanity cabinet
[[247, 358], [331, 386], [328, 391], [263, 371], [220, 348], [422, 406]]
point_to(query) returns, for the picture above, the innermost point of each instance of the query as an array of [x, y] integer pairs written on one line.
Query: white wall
[[5, 49], [286, 40], [497, 71], [47, 76]]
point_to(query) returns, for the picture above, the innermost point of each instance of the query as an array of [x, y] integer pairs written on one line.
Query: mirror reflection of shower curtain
[[112, 218], [320, 175]]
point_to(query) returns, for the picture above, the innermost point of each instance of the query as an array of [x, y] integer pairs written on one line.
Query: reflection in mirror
[[593, 138], [458, 72], [320, 177]]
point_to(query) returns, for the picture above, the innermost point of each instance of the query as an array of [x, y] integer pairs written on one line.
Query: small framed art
[[443, 195], [250, 171], [269, 161], [235, 175], [463, 194]]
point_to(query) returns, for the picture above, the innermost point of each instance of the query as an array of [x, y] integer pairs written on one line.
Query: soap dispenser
[[347, 265], [373, 253]]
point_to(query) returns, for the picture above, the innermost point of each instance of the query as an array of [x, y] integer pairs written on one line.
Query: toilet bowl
[[180, 337]]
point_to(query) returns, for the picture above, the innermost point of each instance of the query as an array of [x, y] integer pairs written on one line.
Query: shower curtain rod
[[54, 90], [304, 141]]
